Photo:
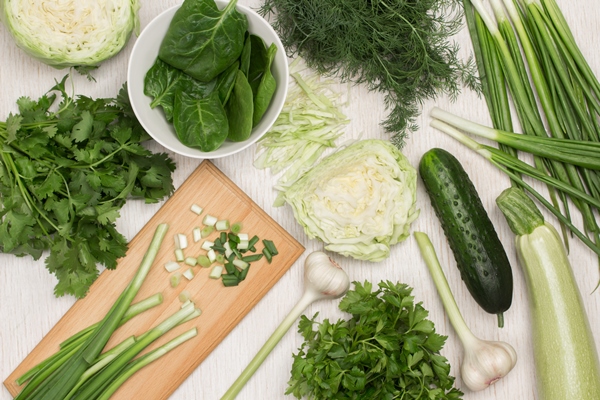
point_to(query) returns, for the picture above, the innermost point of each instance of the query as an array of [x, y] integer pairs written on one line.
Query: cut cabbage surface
[[65, 33]]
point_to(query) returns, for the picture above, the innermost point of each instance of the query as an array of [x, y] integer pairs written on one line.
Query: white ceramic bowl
[[144, 55]]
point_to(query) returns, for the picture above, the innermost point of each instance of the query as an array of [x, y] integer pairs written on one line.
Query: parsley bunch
[[65, 175], [398, 47], [387, 350]]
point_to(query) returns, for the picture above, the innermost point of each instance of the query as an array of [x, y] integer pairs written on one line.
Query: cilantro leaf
[[386, 350], [64, 177]]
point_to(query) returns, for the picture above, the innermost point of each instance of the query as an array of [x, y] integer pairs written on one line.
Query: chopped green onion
[[196, 209], [230, 268], [175, 278], [241, 264], [209, 220], [252, 257], [179, 257], [197, 234], [270, 246], [172, 266], [236, 227], [222, 225], [223, 237], [243, 236], [233, 238], [267, 255], [191, 261], [204, 261], [212, 256], [244, 273], [206, 231], [184, 304], [220, 258], [230, 280], [181, 241], [253, 241], [215, 272], [228, 251], [184, 296], [243, 245], [218, 249], [207, 245], [189, 274]]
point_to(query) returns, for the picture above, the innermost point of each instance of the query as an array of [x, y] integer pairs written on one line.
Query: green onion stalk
[[531, 38], [61, 381]]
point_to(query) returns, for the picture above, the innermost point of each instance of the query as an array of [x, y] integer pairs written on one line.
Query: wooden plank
[[222, 307]]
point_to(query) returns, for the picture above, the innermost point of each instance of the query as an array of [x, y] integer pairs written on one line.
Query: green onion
[[267, 255], [196, 234], [179, 257], [209, 220], [191, 261], [203, 261], [206, 231], [61, 381], [240, 263], [252, 257], [207, 245], [172, 266], [230, 268], [181, 241], [141, 362], [270, 246], [233, 238], [215, 272], [175, 278], [253, 241], [196, 209], [230, 280], [223, 237], [236, 227], [244, 273], [222, 225], [184, 296], [188, 274], [220, 258]]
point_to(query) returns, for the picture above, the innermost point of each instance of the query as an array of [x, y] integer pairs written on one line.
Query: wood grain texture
[[28, 308], [222, 307]]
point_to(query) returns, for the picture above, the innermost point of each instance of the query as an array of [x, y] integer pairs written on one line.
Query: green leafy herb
[[245, 56], [388, 349], [397, 47], [266, 88], [240, 109], [64, 177], [202, 40], [226, 80]]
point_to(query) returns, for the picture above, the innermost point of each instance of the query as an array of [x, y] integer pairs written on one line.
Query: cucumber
[[480, 256]]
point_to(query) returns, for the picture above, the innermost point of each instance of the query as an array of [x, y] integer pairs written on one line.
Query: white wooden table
[[28, 308]]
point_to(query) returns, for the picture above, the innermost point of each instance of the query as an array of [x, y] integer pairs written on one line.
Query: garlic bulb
[[486, 362], [324, 276]]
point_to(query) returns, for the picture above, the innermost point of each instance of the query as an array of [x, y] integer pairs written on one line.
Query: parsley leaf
[[386, 350], [65, 175]]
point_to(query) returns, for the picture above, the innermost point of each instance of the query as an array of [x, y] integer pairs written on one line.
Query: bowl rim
[[190, 151]]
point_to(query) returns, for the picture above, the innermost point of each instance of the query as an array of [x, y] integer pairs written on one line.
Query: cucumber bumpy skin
[[479, 254]]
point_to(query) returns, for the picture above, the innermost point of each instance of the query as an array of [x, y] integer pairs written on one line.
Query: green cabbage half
[[67, 33], [359, 200]]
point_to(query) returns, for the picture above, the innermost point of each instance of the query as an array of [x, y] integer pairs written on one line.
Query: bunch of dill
[[401, 48]]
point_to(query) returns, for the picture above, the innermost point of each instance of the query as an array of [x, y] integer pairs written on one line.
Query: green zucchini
[[480, 256]]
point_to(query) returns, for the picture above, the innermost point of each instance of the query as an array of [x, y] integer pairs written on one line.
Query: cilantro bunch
[[386, 350], [65, 175]]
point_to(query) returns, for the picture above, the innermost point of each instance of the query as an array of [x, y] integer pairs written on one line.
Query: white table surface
[[28, 308]]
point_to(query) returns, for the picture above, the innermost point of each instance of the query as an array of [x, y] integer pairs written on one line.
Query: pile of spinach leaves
[[212, 78]]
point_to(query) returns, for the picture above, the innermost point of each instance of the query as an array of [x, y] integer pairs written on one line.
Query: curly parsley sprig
[[388, 349], [64, 176]]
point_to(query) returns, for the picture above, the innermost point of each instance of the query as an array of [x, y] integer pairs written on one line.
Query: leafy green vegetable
[[226, 80], [245, 56], [162, 82], [240, 109], [266, 88], [258, 62], [359, 201], [65, 175], [388, 349], [202, 40], [397, 47], [200, 123]]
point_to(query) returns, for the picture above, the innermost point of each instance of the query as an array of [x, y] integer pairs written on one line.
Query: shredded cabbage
[[66, 33], [359, 200]]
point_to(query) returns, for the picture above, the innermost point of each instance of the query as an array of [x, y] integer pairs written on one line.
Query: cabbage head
[[359, 200], [65, 33]]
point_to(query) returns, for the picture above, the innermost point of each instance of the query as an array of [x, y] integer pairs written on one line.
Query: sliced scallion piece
[[236, 227], [222, 225], [206, 231], [215, 272], [191, 261], [172, 266], [179, 257], [209, 220], [188, 274], [196, 209], [203, 261], [181, 241], [197, 234]]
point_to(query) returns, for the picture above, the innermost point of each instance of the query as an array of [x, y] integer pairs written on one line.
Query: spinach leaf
[[226, 80], [258, 62], [162, 81], [202, 40], [245, 56], [266, 88], [240, 109], [200, 123]]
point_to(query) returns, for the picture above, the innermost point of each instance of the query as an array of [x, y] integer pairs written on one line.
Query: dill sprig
[[398, 47]]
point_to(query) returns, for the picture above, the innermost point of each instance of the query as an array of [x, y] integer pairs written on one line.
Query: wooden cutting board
[[222, 307]]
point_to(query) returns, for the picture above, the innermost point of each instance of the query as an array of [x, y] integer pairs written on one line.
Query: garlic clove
[[486, 362]]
